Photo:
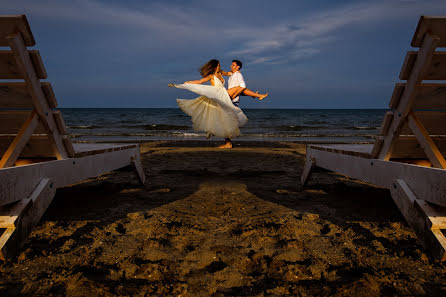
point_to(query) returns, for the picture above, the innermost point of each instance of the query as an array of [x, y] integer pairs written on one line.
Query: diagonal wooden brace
[[20, 218], [419, 220], [425, 141], [19, 142]]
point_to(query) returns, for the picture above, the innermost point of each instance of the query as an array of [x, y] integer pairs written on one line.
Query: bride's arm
[[200, 81], [225, 73]]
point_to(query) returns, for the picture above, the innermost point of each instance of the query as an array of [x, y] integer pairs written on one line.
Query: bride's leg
[[235, 91], [248, 92]]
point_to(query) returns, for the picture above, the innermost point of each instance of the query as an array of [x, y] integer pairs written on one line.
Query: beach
[[213, 222]]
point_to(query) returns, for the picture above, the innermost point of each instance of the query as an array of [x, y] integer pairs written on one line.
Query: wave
[[159, 127], [298, 127], [363, 128]]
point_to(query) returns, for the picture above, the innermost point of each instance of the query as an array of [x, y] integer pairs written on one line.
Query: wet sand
[[213, 222]]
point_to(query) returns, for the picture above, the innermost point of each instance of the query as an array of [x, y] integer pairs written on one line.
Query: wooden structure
[[408, 157], [37, 155]]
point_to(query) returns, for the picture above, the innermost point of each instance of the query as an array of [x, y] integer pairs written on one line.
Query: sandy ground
[[216, 222]]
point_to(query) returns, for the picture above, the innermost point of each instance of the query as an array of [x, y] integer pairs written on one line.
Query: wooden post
[[34, 86], [136, 163], [308, 169], [422, 63]]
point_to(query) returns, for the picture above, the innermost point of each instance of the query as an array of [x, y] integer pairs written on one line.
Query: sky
[[306, 54]]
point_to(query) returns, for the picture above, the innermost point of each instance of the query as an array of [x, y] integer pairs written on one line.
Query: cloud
[[307, 37], [165, 20]]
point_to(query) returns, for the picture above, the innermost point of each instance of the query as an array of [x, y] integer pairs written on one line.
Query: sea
[[297, 125]]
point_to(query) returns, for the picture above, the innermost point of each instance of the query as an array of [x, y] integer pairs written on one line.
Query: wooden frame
[[26, 191], [418, 191]]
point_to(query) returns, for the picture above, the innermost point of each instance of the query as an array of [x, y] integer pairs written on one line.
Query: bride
[[213, 112]]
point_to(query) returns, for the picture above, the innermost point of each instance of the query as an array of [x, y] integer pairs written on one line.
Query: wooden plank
[[388, 117], [86, 149], [17, 183], [362, 150], [408, 147], [136, 163], [9, 214], [405, 105], [435, 71], [4, 239], [308, 169], [435, 214], [24, 62], [10, 24], [10, 70], [427, 183], [377, 147], [60, 122], [16, 147], [430, 96], [69, 146], [434, 24], [15, 95], [39, 201], [37, 146], [433, 121], [426, 143], [12, 120], [396, 95], [405, 199]]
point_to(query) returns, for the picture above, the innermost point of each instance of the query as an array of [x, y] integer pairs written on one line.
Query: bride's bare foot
[[171, 85], [227, 145], [263, 96]]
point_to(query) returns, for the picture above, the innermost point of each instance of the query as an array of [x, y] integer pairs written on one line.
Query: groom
[[236, 80]]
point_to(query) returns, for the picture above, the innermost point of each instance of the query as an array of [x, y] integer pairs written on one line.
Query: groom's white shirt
[[236, 80]]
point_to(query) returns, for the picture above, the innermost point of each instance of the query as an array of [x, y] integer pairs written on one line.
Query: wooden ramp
[[37, 155], [408, 156]]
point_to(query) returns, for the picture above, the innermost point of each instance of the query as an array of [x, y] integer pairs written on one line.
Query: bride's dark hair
[[209, 67]]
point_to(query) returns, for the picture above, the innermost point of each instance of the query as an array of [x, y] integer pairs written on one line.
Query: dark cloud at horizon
[[343, 54]]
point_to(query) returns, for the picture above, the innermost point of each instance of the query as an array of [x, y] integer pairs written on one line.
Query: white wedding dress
[[213, 112]]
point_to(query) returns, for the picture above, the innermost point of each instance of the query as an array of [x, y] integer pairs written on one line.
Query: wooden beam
[[16, 147], [405, 199], [15, 95], [427, 183], [17, 183], [422, 63], [36, 205], [308, 169], [426, 142], [9, 69], [23, 60]]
